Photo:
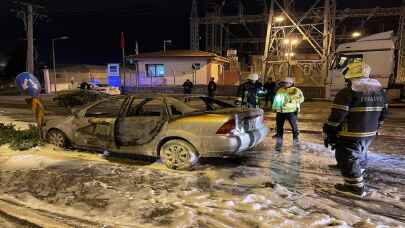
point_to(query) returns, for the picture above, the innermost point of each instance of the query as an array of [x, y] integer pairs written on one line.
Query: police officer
[[287, 104], [357, 112]]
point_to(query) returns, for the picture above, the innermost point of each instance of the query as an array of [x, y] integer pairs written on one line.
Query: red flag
[[122, 40]]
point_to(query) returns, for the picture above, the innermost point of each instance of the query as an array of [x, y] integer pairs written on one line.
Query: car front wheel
[[178, 154], [57, 138]]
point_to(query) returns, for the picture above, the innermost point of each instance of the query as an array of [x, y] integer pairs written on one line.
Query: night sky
[[94, 26]]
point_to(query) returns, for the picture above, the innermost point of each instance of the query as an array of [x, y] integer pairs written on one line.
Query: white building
[[175, 67]]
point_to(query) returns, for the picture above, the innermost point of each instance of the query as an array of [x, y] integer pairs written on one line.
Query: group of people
[[284, 97], [358, 111], [212, 87]]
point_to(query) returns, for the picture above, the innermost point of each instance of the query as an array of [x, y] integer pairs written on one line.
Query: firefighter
[[287, 105], [357, 113], [248, 91]]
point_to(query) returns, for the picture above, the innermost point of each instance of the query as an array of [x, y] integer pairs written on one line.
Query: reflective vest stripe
[[357, 134], [354, 179], [334, 124], [341, 107], [366, 109], [359, 185]]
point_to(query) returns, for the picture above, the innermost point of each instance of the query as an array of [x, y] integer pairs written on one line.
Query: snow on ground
[[268, 188], [21, 118]]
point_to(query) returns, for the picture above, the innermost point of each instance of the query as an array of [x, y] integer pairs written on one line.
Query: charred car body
[[178, 130]]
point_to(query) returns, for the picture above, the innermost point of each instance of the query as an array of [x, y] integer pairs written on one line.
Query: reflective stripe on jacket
[[357, 114], [288, 100]]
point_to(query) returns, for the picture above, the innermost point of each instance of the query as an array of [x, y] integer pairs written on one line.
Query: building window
[[155, 70]]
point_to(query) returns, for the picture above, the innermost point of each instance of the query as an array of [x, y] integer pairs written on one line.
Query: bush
[[19, 139], [72, 98]]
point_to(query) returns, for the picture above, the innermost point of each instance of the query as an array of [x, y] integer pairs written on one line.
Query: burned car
[[178, 130]]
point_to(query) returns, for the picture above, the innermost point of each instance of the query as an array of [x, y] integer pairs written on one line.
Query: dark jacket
[[248, 91], [212, 87], [357, 112], [270, 87], [188, 86]]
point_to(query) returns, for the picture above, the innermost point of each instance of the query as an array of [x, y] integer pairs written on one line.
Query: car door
[[94, 127], [143, 121]]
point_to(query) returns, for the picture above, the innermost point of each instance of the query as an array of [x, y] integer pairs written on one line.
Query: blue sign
[[28, 84], [113, 69]]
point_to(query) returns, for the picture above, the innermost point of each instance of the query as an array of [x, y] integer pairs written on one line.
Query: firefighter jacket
[[358, 111], [288, 100]]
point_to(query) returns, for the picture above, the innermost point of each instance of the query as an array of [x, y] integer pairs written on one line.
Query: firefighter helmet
[[288, 80], [356, 70], [253, 77]]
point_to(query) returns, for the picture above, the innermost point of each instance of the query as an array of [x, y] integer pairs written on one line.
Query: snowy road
[[269, 188]]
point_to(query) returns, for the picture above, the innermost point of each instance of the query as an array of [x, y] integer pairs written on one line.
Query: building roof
[[180, 54]]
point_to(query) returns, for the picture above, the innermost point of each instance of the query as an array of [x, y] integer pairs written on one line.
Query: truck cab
[[377, 50]]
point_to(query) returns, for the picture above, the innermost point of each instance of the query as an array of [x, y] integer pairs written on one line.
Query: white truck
[[379, 52]]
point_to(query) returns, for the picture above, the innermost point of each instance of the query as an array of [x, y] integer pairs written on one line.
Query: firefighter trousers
[[351, 157]]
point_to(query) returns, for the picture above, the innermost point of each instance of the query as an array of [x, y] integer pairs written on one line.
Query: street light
[[164, 44], [290, 43], [53, 55], [356, 34], [279, 19], [294, 41]]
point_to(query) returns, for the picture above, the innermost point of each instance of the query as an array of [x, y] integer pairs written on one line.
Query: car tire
[[57, 138], [178, 154]]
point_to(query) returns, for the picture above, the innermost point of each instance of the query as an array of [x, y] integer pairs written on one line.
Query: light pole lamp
[[290, 43], [164, 44], [53, 57]]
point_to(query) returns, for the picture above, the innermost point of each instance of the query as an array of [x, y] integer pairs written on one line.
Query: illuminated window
[[155, 70]]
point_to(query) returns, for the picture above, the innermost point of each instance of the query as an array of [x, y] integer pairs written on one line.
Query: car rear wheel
[[178, 154], [57, 138]]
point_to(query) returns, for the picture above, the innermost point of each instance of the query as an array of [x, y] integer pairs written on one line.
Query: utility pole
[[29, 13], [30, 39]]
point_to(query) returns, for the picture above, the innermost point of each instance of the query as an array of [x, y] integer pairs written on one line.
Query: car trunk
[[246, 119]]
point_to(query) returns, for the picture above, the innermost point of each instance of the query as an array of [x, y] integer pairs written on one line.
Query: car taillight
[[227, 128]]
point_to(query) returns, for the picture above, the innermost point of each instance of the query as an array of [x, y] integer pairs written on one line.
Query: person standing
[[358, 111], [212, 87], [248, 91], [287, 105], [270, 87], [188, 87]]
